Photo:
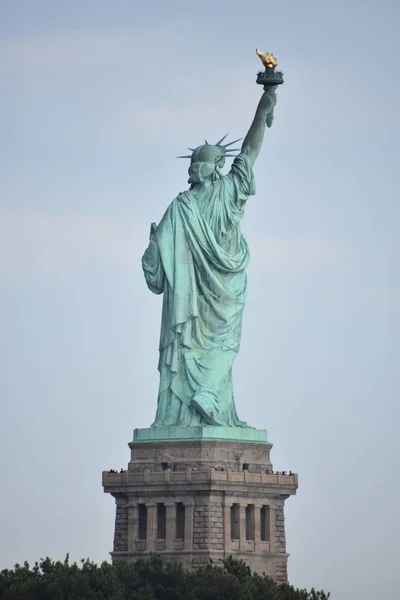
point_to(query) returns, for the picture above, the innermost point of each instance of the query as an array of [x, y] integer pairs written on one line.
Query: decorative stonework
[[121, 524], [197, 496]]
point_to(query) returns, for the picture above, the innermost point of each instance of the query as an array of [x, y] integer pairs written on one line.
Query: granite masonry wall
[[207, 479]]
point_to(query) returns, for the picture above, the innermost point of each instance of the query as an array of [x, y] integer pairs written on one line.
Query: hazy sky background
[[97, 100]]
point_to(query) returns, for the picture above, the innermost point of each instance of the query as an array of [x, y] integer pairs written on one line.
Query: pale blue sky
[[97, 100]]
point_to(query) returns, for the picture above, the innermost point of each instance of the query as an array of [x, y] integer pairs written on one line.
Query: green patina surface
[[240, 434], [197, 258]]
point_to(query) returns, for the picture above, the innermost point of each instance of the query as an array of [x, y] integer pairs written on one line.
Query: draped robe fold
[[197, 257]]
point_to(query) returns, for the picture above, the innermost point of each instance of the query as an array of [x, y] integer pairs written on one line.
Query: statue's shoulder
[[175, 202], [185, 197], [241, 160], [241, 167], [172, 209]]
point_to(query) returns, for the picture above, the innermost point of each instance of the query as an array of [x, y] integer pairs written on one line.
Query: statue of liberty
[[197, 258]]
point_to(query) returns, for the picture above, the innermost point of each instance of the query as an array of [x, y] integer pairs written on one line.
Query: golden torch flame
[[268, 60]]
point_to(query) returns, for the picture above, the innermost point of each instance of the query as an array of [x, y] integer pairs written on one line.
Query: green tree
[[145, 579]]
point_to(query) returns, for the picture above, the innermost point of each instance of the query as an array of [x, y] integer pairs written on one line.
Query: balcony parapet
[[192, 476]]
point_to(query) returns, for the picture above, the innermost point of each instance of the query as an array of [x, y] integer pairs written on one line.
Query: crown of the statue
[[212, 152]]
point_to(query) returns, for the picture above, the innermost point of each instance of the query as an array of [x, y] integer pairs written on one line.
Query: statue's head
[[207, 161]]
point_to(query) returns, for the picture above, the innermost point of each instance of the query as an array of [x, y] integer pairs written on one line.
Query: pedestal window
[[161, 522], [235, 521], [142, 522], [180, 521], [250, 522], [265, 523]]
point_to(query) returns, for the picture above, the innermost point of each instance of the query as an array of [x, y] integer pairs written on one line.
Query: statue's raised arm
[[269, 79], [264, 115]]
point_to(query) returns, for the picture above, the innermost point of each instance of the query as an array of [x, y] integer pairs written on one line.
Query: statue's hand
[[269, 97], [269, 100]]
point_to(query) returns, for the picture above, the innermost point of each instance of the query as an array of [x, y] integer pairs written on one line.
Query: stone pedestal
[[201, 499]]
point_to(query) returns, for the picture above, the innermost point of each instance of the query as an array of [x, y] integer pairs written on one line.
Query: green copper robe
[[197, 257]]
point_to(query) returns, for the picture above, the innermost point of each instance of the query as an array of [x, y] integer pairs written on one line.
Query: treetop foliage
[[145, 579]]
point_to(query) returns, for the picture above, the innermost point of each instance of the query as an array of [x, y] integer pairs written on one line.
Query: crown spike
[[191, 149], [234, 142], [187, 156], [222, 139], [206, 142]]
